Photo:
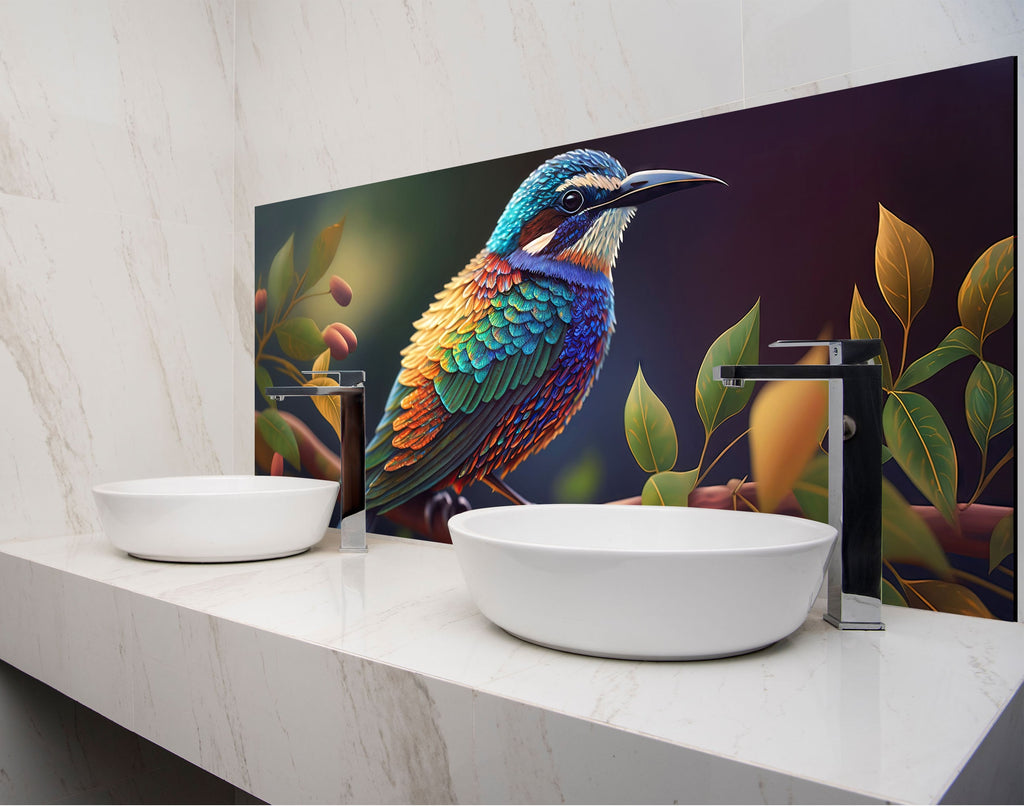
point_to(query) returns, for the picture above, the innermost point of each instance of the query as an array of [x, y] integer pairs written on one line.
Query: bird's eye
[[571, 201]]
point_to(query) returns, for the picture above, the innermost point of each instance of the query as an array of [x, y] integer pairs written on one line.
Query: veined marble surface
[[116, 228], [328, 678]]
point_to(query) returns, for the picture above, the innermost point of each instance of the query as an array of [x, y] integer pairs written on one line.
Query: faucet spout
[[350, 389], [854, 469], [738, 374]]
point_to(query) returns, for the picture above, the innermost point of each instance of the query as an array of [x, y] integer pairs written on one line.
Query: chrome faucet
[[350, 390], [854, 469]]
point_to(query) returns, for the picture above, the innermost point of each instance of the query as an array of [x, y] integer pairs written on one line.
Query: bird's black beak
[[646, 185]]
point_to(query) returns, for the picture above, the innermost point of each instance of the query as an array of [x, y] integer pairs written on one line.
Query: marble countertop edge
[[826, 707]]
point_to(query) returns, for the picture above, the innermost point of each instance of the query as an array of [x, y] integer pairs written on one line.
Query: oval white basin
[[647, 583], [207, 519]]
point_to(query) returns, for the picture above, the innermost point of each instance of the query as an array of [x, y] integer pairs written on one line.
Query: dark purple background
[[797, 226]]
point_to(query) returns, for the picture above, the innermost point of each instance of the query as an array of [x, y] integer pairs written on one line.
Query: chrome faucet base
[[853, 625], [353, 532]]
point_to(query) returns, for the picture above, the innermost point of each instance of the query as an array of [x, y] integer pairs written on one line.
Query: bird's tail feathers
[[439, 463]]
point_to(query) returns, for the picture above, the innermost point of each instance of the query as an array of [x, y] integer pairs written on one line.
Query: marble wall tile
[[119, 106], [116, 314], [331, 95], [1011, 44], [800, 42], [115, 347]]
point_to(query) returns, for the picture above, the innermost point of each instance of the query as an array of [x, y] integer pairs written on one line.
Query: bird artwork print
[[508, 351]]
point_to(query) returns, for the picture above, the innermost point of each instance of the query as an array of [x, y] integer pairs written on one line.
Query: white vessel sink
[[647, 583], [208, 519]]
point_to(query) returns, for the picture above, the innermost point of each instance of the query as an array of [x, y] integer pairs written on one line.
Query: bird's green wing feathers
[[507, 343], [482, 367]]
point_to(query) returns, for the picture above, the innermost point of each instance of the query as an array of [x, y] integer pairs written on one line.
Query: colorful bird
[[508, 351]]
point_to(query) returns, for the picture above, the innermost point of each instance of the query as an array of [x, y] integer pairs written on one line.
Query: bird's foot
[[441, 506]]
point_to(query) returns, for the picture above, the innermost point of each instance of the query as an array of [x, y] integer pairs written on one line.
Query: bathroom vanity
[[371, 678]]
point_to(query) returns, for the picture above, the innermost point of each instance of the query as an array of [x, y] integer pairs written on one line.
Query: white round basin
[[648, 583], [215, 518]]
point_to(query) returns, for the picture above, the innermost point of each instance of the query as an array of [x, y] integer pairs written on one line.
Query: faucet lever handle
[[334, 372], [841, 351], [799, 343]]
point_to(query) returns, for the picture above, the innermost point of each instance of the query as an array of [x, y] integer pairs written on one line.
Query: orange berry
[[277, 465], [340, 290], [261, 300]]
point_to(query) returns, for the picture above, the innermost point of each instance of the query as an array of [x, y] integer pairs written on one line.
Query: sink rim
[[817, 533], [135, 488]]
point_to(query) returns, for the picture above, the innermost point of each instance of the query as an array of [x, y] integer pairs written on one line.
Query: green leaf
[[669, 489], [921, 444], [891, 596], [1000, 545], [985, 302], [716, 402], [904, 266], [579, 482], [262, 382], [988, 402], [649, 429], [278, 435], [958, 344], [906, 537], [300, 339], [811, 490], [320, 259], [863, 325], [282, 269]]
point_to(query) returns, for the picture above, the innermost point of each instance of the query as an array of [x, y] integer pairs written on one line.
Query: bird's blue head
[[568, 217]]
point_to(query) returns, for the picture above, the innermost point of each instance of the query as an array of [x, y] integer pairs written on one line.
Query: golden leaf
[[787, 420], [322, 255], [323, 362], [329, 406], [863, 325], [945, 597], [904, 266], [986, 298]]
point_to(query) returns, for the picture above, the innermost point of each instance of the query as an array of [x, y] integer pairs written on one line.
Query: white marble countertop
[[373, 678]]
